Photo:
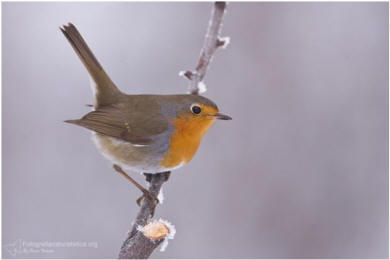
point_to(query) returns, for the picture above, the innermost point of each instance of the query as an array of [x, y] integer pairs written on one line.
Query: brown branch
[[139, 243], [139, 247], [211, 43]]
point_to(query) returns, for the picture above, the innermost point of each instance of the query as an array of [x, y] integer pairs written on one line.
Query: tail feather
[[105, 90], [72, 121]]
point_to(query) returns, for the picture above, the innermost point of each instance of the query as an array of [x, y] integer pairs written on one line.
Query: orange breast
[[185, 140]]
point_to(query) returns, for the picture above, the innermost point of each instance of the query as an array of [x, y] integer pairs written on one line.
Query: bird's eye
[[196, 110]]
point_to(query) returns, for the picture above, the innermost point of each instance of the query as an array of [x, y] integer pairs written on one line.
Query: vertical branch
[[211, 42], [136, 244], [139, 243]]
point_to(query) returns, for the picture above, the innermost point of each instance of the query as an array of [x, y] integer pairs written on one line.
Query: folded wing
[[111, 121]]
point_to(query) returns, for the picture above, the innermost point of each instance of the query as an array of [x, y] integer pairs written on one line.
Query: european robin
[[145, 133]]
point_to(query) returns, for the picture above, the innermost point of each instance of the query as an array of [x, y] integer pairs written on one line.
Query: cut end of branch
[[187, 74], [182, 73], [159, 230], [155, 230], [223, 42]]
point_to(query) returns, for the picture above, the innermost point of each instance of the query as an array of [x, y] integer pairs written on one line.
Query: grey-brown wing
[[136, 127]]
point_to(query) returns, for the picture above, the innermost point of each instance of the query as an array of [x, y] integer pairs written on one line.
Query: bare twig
[[139, 244], [211, 42]]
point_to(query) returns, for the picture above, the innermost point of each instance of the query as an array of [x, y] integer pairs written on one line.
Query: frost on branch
[[211, 43], [136, 244], [223, 42], [158, 230], [201, 87], [171, 234], [146, 235], [160, 196]]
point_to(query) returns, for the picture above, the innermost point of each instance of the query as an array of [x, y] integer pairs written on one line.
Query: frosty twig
[[211, 42]]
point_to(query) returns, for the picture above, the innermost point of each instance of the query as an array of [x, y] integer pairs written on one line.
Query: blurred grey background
[[301, 171]]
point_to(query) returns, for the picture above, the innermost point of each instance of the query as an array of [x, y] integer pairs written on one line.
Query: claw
[[152, 200]]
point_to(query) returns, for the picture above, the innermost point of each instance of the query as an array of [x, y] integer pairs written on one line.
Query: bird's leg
[[146, 194], [149, 178]]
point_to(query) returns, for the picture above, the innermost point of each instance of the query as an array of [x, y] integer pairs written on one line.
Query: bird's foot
[[150, 198]]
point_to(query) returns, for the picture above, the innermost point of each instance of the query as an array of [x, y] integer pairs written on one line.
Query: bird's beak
[[222, 117]]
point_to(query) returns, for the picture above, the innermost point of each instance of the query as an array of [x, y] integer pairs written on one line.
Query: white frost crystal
[[226, 41], [202, 87], [160, 196], [171, 234]]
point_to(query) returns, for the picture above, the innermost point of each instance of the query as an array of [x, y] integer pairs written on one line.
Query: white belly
[[138, 158]]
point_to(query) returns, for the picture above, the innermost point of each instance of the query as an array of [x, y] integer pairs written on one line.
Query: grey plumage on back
[[131, 130]]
